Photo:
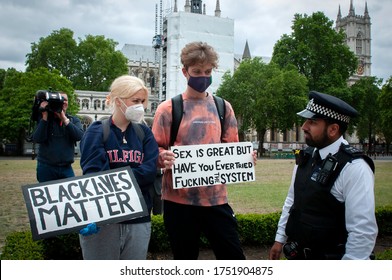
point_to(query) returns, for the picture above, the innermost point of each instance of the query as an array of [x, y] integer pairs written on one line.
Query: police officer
[[329, 212]]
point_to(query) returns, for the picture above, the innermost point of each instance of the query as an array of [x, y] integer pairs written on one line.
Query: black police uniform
[[316, 225]]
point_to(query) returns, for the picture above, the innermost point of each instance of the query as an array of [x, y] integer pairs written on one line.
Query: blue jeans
[[46, 172]]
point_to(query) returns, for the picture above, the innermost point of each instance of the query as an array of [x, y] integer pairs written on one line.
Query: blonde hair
[[124, 87]]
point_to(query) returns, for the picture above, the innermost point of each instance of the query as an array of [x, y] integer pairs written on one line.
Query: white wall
[[183, 28]]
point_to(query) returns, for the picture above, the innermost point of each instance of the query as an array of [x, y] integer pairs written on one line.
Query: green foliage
[[159, 241], [385, 255], [317, 51], [62, 247], [57, 51], [20, 246], [90, 65], [2, 78], [14, 112], [384, 220], [385, 104], [366, 92], [98, 64], [254, 230], [264, 96], [17, 96]]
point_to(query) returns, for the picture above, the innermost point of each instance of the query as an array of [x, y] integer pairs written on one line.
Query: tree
[[90, 65], [98, 64], [17, 96], [317, 51], [385, 103], [264, 96], [366, 92], [57, 51], [2, 77]]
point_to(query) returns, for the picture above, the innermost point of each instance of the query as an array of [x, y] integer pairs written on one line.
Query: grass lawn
[[265, 195]]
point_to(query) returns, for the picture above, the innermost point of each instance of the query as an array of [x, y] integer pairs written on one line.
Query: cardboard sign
[[212, 164], [67, 205]]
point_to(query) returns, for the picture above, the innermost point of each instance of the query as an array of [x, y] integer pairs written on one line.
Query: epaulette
[[353, 153]]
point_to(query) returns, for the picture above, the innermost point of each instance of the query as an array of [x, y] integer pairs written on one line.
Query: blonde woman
[[128, 98]]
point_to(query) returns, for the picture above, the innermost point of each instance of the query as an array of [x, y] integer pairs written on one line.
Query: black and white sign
[[212, 164], [67, 205]]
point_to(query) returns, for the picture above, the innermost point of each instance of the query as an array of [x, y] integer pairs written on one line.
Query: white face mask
[[134, 113]]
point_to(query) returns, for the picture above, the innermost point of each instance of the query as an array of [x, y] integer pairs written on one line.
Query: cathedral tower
[[358, 39]]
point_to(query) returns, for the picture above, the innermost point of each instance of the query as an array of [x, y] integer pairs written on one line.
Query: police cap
[[325, 106]]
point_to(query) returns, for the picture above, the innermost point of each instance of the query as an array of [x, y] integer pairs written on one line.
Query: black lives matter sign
[[212, 164], [67, 205]]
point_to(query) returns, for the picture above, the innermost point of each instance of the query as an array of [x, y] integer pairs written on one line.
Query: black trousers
[[185, 223]]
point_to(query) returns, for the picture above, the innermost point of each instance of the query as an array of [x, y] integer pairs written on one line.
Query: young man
[[188, 212], [329, 210]]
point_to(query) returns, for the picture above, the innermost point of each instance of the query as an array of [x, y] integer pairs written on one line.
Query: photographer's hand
[[43, 106], [62, 117]]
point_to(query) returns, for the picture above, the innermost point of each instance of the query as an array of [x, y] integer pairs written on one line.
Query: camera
[[291, 250], [328, 167], [55, 102]]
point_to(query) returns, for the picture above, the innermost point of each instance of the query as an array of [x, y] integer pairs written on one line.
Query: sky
[[260, 22]]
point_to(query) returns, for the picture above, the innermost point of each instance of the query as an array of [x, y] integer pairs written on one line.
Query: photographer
[[56, 133]]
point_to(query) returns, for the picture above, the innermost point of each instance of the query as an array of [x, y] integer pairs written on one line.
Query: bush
[[63, 247], [384, 220], [20, 246], [257, 229], [386, 255], [159, 241], [254, 230]]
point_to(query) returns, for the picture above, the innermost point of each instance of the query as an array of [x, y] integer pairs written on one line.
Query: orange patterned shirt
[[200, 124]]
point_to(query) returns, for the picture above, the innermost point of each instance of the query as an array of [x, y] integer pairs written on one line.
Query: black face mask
[[200, 84]]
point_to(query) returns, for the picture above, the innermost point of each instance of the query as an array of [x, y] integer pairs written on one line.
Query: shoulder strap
[[106, 129], [139, 131], [177, 112], [346, 154], [221, 107]]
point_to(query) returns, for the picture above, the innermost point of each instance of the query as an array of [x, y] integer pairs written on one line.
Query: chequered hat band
[[324, 111]]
